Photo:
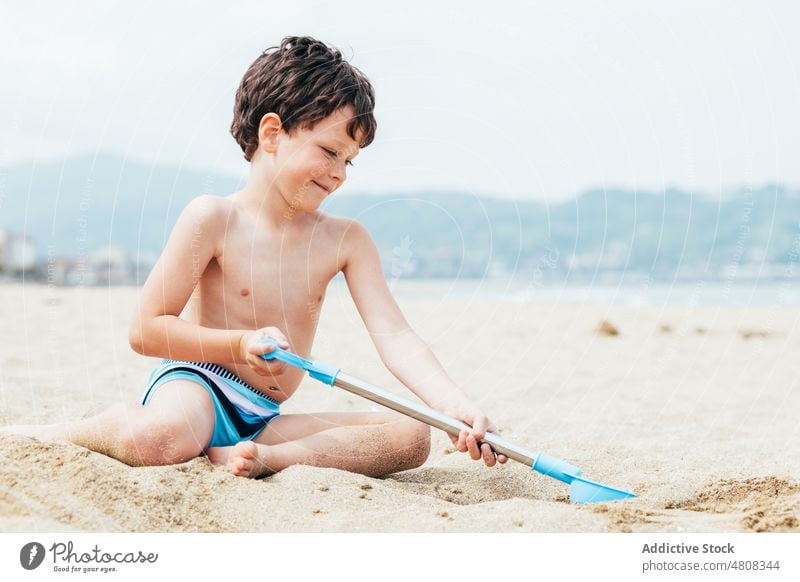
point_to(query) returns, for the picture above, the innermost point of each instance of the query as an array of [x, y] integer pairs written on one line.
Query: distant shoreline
[[716, 293]]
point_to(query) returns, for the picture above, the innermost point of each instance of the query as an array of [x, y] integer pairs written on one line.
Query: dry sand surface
[[694, 409]]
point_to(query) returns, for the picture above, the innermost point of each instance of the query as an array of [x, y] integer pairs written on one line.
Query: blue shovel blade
[[581, 490], [585, 491]]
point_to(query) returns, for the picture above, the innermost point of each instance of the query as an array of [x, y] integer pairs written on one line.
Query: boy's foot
[[248, 459]]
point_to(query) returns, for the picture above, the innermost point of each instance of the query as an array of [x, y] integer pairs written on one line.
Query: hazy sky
[[514, 100]]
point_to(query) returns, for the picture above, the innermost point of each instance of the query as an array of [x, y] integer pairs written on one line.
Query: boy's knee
[[159, 442], [419, 438]]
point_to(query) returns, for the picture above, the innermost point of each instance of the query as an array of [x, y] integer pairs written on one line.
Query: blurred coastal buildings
[[17, 253], [20, 259]]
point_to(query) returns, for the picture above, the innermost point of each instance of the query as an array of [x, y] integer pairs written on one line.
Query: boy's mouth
[[321, 186]]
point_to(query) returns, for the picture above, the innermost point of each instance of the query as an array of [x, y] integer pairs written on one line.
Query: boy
[[256, 264]]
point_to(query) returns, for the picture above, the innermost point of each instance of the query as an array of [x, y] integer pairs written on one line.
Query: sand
[[694, 409]]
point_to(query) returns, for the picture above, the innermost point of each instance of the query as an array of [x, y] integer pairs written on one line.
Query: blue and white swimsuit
[[241, 411]]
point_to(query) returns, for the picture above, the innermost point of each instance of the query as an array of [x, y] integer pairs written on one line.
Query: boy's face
[[312, 163]]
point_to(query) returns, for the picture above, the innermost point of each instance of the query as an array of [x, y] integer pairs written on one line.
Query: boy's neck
[[263, 199]]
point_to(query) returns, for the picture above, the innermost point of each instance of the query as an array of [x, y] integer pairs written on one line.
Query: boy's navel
[[244, 292]]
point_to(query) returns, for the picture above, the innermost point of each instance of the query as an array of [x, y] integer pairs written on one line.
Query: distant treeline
[[80, 204]]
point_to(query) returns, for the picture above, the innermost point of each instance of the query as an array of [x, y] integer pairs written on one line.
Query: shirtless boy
[[256, 265]]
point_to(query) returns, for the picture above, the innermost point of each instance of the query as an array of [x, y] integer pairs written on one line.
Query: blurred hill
[[75, 206]]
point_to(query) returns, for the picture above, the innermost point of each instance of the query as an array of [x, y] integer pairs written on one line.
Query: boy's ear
[[268, 129]]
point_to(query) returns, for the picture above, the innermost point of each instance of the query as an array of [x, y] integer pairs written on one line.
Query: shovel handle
[[430, 417], [335, 377], [581, 490]]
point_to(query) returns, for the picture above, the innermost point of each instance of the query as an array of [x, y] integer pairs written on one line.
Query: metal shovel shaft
[[582, 490], [429, 416]]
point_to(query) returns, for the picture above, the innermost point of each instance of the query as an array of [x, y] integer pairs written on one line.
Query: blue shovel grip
[[317, 370], [555, 468]]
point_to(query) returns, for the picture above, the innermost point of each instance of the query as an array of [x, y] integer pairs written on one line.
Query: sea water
[[754, 293]]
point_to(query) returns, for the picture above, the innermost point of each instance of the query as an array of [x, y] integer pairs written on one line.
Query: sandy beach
[[694, 409]]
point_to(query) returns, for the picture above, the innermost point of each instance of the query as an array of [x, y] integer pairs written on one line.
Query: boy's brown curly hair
[[303, 81]]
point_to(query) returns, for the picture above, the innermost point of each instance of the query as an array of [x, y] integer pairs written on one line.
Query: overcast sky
[[513, 100]]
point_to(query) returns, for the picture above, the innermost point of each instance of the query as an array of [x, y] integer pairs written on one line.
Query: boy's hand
[[467, 441], [252, 346]]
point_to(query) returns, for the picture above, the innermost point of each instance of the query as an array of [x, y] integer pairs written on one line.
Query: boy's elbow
[[136, 335], [135, 339]]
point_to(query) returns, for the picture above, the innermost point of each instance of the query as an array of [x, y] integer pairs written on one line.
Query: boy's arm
[[157, 329], [402, 351], [400, 348]]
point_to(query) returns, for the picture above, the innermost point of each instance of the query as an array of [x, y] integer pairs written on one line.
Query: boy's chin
[[307, 205]]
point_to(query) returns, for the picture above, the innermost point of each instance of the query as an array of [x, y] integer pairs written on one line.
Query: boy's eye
[[334, 154]]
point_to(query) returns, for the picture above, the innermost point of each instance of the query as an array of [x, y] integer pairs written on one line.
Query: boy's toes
[[241, 468], [241, 461]]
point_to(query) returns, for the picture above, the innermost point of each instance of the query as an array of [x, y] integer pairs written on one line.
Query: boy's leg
[[373, 444], [175, 426]]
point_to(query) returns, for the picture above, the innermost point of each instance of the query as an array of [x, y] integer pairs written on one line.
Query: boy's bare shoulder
[[344, 229], [204, 221], [208, 208], [210, 212], [352, 238]]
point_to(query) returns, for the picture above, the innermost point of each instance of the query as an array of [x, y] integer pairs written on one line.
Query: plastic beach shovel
[[581, 490]]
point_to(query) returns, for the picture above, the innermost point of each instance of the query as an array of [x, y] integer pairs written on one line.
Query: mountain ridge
[[77, 204]]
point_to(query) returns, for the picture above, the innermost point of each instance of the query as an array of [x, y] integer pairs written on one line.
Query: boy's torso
[[261, 278]]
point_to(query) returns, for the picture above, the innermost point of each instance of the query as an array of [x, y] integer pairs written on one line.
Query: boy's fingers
[[261, 349], [472, 445], [488, 455], [263, 367], [479, 428], [461, 444], [275, 366], [279, 336], [260, 346]]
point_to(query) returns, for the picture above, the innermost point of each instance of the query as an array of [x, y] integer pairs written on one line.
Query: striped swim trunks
[[241, 411]]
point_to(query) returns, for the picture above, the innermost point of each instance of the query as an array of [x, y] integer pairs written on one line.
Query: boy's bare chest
[[262, 282]]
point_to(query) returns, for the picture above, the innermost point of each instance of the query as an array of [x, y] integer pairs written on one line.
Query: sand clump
[[605, 327], [720, 494], [767, 503], [773, 517], [754, 334], [623, 518]]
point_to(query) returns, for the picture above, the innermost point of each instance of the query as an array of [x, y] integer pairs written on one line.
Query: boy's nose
[[338, 171]]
